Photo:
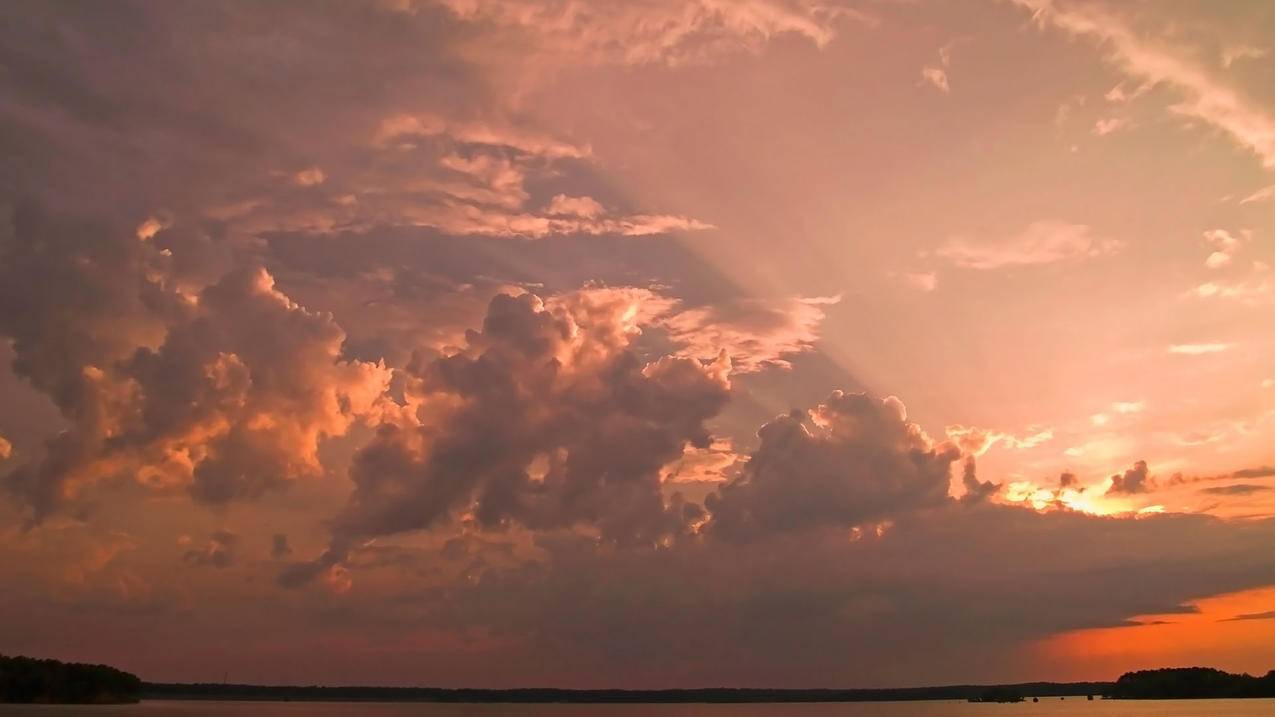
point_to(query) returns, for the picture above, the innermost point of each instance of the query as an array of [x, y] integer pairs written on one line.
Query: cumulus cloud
[[545, 419], [1225, 246], [1042, 242], [851, 460], [1135, 480], [224, 392]]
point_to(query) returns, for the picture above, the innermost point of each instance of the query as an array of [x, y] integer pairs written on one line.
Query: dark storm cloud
[[1236, 489], [854, 459], [940, 587], [1268, 615], [1135, 480], [1261, 472]]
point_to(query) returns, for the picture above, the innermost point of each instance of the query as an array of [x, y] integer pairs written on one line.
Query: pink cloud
[[1041, 242]]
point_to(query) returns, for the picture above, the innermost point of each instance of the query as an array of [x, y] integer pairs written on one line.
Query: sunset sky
[[638, 343]]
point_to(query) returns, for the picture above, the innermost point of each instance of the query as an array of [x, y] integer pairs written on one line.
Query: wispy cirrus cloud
[[1265, 194], [755, 333], [1153, 61], [647, 32], [976, 441], [1041, 242], [1200, 349]]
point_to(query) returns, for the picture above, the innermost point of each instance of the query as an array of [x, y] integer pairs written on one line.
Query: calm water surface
[[1071, 707]]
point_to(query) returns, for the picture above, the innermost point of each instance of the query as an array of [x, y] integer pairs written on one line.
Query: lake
[[1069, 707]]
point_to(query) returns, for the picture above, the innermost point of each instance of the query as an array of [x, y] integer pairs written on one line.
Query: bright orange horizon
[[638, 343]]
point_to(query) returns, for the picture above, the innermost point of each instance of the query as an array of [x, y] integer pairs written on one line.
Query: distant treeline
[[1184, 683], [206, 691], [23, 679]]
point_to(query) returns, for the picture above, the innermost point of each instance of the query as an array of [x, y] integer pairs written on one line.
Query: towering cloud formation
[[544, 419], [854, 459], [224, 392]]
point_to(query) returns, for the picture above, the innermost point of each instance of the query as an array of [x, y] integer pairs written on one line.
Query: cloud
[[1155, 61], [421, 146], [851, 460], [1268, 615], [6, 448], [1119, 408], [1135, 480], [225, 392], [976, 441], [218, 552], [1248, 292], [925, 281], [756, 333], [717, 463], [651, 32], [1234, 53], [1042, 242], [1110, 125], [1264, 194], [1236, 489], [309, 177], [1198, 349], [396, 130], [792, 605], [584, 207], [936, 76], [544, 419], [1225, 246]]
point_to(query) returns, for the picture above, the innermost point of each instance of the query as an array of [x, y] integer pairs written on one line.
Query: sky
[[638, 343]]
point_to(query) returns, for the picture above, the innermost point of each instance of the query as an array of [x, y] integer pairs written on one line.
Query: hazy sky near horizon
[[638, 343]]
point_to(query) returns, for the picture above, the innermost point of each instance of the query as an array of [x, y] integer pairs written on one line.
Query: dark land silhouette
[[1183, 683], [23, 679], [208, 691]]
